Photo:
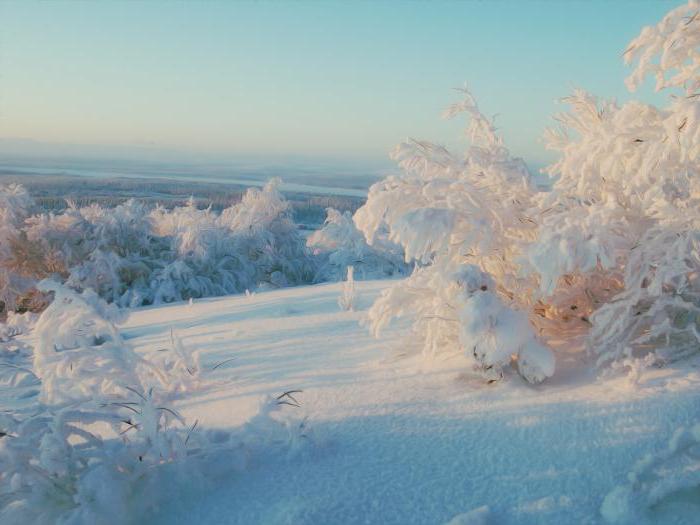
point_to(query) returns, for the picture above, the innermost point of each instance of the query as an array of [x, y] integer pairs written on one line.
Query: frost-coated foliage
[[110, 464], [79, 353], [132, 255], [71, 461], [17, 324], [463, 219], [255, 241], [609, 253], [340, 244], [101, 444], [670, 51], [618, 235], [671, 475], [15, 206], [348, 297]]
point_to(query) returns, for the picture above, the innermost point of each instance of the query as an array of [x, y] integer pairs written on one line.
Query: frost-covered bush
[[112, 463], [71, 461], [348, 296], [269, 238], [111, 251], [17, 324], [79, 353], [340, 244], [15, 206], [95, 464], [101, 444], [464, 220], [618, 236], [205, 260], [122, 253], [609, 254], [132, 255], [253, 242]]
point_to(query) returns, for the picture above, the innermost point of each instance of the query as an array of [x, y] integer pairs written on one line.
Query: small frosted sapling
[[348, 297]]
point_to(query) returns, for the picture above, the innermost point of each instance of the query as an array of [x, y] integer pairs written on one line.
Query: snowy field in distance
[[396, 441], [295, 187]]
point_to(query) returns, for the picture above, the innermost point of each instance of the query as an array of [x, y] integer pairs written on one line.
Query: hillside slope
[[394, 439]]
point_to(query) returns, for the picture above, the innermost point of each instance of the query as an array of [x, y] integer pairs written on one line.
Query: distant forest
[[53, 193]]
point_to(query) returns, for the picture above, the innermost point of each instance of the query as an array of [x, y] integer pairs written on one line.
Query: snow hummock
[[473, 517]]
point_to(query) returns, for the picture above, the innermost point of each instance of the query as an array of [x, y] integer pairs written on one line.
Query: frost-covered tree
[[339, 244], [618, 237], [464, 220]]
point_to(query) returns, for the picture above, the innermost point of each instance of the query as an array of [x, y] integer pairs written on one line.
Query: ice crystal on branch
[[464, 220], [619, 231]]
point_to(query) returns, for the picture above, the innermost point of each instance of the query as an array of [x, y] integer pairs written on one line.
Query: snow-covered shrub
[[15, 206], [267, 237], [132, 255], [102, 441], [348, 296], [672, 474], [17, 324], [79, 354], [618, 236], [72, 460], [252, 242], [464, 220], [113, 462], [204, 260], [111, 251], [181, 365], [340, 244], [123, 252], [91, 463], [609, 254]]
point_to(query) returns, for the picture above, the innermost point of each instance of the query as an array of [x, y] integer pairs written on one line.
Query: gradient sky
[[315, 79]]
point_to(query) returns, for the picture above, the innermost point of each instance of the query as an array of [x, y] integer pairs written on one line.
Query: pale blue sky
[[310, 79]]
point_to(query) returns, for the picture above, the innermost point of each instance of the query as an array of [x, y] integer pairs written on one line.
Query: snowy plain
[[395, 439]]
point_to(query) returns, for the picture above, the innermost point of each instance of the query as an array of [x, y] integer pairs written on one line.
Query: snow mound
[[479, 516], [670, 478]]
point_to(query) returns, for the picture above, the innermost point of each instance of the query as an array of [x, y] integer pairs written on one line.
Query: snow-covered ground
[[394, 439]]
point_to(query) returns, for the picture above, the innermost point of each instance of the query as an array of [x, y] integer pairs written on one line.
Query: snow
[[473, 517], [308, 406], [396, 439]]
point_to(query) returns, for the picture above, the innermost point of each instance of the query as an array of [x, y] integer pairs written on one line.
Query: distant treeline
[[53, 192]]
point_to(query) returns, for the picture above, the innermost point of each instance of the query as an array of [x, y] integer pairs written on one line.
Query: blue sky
[[344, 80]]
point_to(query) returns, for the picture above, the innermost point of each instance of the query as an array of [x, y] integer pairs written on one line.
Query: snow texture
[[400, 440]]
